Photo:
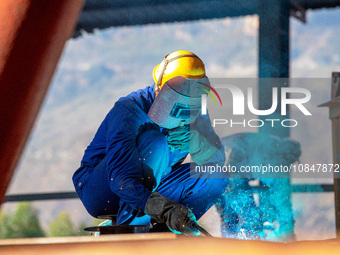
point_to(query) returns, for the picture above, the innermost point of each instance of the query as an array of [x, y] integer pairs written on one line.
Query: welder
[[134, 165]]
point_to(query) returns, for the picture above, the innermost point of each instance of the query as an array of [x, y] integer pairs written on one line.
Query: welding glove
[[191, 141], [177, 217], [179, 138]]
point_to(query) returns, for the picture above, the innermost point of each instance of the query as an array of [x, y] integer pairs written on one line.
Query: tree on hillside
[[5, 226], [81, 231], [62, 226], [22, 223]]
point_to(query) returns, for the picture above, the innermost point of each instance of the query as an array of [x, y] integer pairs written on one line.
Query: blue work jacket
[[116, 140]]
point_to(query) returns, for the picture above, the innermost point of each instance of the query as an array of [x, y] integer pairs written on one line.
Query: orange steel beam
[[32, 37], [157, 243]]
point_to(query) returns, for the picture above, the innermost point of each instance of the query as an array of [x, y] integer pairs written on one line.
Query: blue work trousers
[[161, 173]]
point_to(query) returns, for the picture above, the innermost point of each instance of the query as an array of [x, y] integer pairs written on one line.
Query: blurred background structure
[[32, 39]]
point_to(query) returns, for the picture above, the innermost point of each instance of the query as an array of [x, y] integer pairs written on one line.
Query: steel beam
[[32, 36], [162, 243], [334, 115], [100, 14], [273, 58], [104, 14]]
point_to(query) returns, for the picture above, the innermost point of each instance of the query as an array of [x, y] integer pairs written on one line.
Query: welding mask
[[178, 102]]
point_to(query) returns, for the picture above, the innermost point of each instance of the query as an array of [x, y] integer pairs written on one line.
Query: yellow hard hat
[[179, 63]]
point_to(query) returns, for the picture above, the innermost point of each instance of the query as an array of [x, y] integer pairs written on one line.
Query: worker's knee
[[214, 188], [154, 155]]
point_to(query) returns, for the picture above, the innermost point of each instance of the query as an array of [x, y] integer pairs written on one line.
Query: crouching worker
[[134, 165]]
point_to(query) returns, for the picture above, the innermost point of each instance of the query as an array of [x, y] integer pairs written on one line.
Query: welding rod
[[199, 228]]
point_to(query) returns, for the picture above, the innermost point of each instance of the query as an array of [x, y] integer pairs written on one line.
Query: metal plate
[[120, 229]]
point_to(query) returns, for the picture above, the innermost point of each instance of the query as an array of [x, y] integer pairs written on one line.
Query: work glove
[[191, 141], [179, 138], [177, 217]]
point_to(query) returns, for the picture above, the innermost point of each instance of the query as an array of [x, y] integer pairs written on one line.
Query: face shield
[[178, 102]]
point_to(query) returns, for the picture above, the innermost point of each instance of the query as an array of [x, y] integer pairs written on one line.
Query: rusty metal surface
[[32, 37], [156, 244]]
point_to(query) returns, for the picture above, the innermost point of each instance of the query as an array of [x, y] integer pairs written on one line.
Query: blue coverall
[[129, 158]]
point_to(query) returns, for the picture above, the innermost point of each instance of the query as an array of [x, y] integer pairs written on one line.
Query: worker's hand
[[191, 141], [179, 138], [177, 217], [200, 149]]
